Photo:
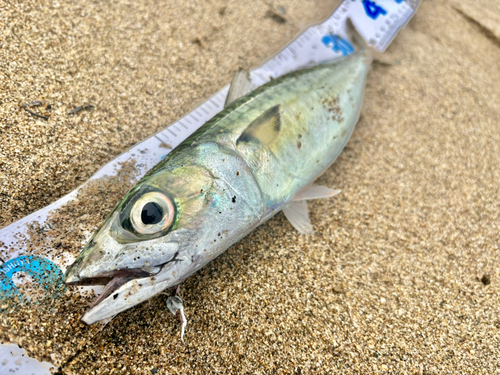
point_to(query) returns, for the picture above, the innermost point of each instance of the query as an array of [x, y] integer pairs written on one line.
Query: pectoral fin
[[315, 192], [264, 129], [240, 86], [298, 215]]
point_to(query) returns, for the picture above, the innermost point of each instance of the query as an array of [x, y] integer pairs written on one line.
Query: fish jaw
[[109, 305], [122, 293], [125, 288]]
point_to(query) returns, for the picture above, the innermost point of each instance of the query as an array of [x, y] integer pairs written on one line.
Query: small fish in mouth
[[257, 157]]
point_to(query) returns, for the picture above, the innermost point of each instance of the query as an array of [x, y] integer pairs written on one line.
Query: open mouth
[[113, 280]]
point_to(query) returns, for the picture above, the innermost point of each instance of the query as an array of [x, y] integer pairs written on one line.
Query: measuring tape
[[377, 21]]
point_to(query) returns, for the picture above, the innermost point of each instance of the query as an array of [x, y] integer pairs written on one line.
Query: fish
[[260, 155]]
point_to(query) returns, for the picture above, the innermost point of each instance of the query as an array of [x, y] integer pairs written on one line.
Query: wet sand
[[401, 276]]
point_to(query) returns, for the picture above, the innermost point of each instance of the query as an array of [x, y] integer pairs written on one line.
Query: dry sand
[[401, 276]]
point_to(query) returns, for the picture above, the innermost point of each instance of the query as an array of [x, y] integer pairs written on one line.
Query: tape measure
[[377, 21]]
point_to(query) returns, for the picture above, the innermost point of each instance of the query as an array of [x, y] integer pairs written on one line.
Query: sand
[[401, 275]]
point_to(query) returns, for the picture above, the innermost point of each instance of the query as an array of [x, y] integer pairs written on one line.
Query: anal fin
[[297, 214]]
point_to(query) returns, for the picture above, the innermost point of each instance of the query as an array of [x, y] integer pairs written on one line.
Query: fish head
[[159, 234]]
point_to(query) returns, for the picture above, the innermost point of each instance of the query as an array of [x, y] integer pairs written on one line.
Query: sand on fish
[[401, 275]]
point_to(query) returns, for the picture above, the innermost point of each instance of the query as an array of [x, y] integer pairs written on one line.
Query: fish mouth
[[112, 280]]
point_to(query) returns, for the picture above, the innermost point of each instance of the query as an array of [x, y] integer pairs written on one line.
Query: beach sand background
[[401, 276]]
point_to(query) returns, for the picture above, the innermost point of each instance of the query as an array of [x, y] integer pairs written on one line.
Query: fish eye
[[152, 213]]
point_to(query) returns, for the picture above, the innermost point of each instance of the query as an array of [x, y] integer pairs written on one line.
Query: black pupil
[[151, 213]]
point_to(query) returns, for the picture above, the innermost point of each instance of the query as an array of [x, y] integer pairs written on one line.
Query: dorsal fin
[[264, 128], [241, 85]]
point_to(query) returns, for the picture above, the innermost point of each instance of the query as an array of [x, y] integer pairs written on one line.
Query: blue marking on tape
[[42, 271], [373, 10], [337, 44]]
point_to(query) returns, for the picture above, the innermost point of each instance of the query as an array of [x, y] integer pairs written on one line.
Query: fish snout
[[90, 264], [71, 276], [86, 270], [76, 275]]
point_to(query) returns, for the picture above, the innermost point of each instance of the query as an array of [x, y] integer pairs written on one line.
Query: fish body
[[234, 173]]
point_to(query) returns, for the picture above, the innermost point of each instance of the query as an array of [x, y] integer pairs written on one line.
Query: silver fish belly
[[239, 169]]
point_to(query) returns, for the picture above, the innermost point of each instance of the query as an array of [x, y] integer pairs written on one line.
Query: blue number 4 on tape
[[373, 10]]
